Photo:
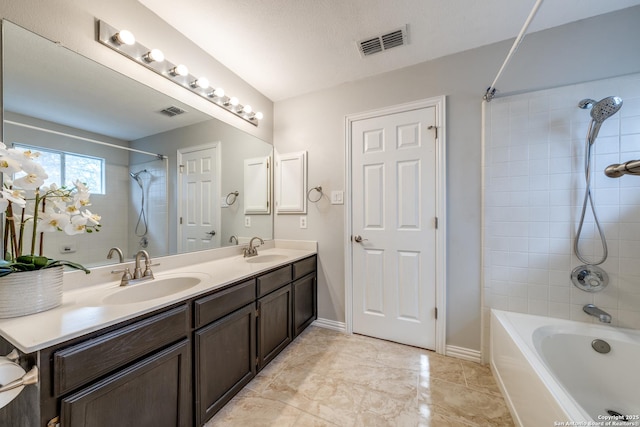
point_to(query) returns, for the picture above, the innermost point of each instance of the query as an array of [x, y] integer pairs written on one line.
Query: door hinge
[[257, 361], [180, 220], [181, 168], [436, 312], [54, 422], [435, 128], [257, 312], [436, 222]]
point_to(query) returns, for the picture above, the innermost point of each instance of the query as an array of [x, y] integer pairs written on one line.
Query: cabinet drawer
[[213, 307], [84, 362], [304, 267], [272, 281]]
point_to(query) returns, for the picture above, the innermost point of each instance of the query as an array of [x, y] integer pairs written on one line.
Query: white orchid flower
[[30, 181], [29, 166], [9, 165], [72, 209], [77, 225], [26, 154], [81, 187], [14, 196], [82, 199], [92, 218], [51, 221]]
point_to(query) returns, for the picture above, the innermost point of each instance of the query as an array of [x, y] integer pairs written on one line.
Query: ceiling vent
[[172, 111], [383, 42]]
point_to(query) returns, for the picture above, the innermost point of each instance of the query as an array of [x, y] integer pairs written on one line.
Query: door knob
[[358, 238], [211, 233]]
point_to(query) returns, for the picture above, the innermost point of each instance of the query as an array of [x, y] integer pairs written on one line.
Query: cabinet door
[[274, 324], [152, 392], [225, 360], [304, 303]]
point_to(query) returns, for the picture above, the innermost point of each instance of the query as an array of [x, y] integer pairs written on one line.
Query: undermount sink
[[152, 289], [266, 258]]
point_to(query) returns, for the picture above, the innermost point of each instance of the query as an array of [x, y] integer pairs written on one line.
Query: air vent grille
[[172, 111], [383, 42]]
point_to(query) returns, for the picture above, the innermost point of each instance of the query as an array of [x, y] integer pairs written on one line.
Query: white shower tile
[[629, 143], [519, 305], [630, 125], [560, 310], [538, 307], [560, 294]]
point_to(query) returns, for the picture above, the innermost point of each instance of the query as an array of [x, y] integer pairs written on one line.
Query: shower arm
[[632, 167]]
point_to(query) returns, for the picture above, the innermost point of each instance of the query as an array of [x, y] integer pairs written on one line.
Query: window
[[64, 168]]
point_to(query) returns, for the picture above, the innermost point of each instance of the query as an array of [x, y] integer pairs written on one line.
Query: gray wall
[[316, 122]]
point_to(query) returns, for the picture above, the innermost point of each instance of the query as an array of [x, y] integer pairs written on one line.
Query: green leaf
[[68, 264], [37, 261]]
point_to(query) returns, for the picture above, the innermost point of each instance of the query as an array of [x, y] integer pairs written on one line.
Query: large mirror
[[168, 178]]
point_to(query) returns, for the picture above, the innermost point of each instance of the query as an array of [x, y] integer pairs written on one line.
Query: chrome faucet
[[232, 238], [594, 311], [118, 251], [137, 272], [250, 250]]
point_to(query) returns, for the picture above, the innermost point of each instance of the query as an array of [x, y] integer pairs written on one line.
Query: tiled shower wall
[[533, 190]]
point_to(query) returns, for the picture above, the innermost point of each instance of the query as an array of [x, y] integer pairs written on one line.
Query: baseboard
[[464, 353], [331, 324]]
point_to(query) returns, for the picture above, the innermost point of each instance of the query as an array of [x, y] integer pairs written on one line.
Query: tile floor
[[326, 378]]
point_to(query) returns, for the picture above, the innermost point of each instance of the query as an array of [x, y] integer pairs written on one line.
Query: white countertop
[[83, 309]]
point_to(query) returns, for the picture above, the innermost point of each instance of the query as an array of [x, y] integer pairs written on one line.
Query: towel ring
[[319, 190], [235, 195]]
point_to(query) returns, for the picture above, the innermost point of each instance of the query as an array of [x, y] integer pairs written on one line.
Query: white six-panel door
[[394, 227], [200, 193]]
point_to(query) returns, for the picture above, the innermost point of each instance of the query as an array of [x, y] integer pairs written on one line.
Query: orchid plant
[[32, 209]]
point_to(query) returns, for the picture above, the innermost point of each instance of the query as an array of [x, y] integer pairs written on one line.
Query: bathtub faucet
[[592, 310]]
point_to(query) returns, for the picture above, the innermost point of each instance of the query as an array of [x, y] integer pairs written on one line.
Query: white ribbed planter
[[30, 292]]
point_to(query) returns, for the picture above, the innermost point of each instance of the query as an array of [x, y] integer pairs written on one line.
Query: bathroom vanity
[[174, 365]]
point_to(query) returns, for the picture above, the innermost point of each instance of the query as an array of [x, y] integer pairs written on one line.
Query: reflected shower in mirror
[[62, 102]]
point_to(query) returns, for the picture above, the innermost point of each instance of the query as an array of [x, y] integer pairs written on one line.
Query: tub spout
[[592, 310]]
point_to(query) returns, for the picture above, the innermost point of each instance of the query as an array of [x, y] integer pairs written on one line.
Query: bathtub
[[551, 375]]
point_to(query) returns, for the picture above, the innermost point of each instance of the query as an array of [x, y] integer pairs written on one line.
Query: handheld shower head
[[136, 176], [605, 108], [600, 112]]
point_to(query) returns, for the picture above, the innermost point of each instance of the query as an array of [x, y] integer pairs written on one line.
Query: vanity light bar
[[124, 42]]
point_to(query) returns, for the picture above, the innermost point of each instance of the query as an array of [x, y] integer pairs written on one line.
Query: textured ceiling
[[285, 48]]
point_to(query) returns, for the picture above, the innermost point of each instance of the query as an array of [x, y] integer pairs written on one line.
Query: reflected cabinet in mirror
[[163, 176]]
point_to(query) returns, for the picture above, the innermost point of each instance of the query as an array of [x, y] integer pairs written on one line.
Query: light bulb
[[179, 70], [154, 55], [219, 92], [124, 37], [234, 101], [202, 83], [247, 109], [259, 116]]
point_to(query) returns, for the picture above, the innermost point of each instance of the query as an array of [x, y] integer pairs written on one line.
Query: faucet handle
[[126, 276]]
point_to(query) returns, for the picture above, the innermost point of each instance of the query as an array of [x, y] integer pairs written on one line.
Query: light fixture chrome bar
[[177, 73], [81, 138], [632, 167]]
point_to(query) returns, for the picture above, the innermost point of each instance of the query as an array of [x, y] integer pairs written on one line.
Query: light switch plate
[[337, 197], [303, 222], [247, 221]]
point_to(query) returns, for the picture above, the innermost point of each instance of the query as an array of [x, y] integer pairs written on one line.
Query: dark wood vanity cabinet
[[176, 366], [139, 374], [225, 348], [152, 392]]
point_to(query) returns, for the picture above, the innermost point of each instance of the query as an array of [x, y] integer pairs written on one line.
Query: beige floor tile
[[326, 378], [466, 405]]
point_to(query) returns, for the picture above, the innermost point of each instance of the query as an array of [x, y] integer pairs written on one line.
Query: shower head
[[605, 108], [600, 112], [136, 176]]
